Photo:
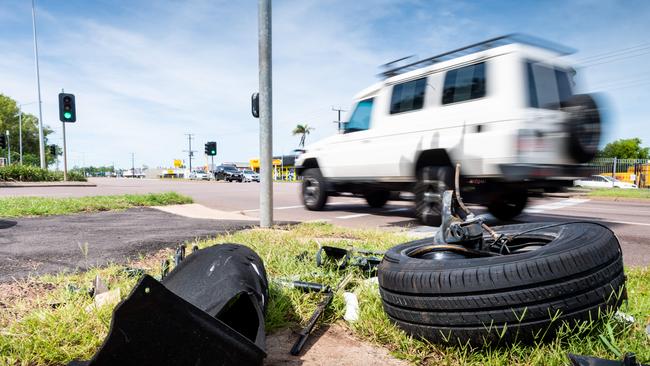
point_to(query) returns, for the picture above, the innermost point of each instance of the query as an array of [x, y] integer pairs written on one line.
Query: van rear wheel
[[377, 199], [509, 204], [431, 184]]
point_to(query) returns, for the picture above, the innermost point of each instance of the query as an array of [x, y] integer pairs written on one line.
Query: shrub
[[28, 173]]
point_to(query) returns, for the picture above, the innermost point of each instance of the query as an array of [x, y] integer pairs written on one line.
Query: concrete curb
[[45, 184], [197, 211]]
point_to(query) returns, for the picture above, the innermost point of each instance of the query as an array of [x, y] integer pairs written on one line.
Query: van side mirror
[[255, 105]]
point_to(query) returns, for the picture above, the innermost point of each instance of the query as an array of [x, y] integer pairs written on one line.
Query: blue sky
[[147, 72]]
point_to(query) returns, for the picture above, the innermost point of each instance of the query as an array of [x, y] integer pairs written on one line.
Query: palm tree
[[303, 130]]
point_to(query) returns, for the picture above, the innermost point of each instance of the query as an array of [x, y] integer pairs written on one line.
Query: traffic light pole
[[266, 118], [65, 156]]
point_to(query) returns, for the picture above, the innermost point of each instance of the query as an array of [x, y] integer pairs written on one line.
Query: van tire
[[431, 180], [314, 190], [491, 300], [508, 204], [378, 198]]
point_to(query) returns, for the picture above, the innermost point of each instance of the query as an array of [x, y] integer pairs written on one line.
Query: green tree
[[625, 149], [9, 118], [303, 131]]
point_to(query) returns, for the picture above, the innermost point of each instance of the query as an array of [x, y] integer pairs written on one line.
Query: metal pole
[[9, 148], [132, 165], [266, 113], [20, 132], [65, 155], [41, 137]]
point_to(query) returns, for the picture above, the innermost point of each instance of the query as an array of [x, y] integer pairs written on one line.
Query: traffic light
[[53, 150], [211, 148], [67, 110], [3, 141]]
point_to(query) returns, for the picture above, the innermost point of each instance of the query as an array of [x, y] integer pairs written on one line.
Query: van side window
[[464, 84], [408, 96], [360, 119], [548, 87]]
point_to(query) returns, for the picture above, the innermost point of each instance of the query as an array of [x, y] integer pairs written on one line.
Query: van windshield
[[360, 119], [548, 87]]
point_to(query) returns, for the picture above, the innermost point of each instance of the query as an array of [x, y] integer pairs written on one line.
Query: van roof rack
[[476, 47]]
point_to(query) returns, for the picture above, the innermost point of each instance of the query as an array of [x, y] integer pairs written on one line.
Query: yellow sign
[[178, 163], [170, 171], [255, 163]]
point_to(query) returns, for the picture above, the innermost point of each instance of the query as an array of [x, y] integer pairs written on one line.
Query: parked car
[[229, 173], [199, 175], [603, 181], [503, 108], [250, 176]]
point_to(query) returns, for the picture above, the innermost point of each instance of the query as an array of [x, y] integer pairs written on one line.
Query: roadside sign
[[178, 163]]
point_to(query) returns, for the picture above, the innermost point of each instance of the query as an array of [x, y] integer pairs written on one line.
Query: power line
[[614, 53]]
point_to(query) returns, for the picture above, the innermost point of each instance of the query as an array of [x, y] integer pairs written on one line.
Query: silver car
[[251, 176]]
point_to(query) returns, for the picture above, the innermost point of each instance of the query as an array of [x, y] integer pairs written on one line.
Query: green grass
[[621, 193], [43, 206], [33, 332]]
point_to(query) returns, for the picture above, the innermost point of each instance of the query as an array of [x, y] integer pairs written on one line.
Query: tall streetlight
[[265, 113], [41, 137]]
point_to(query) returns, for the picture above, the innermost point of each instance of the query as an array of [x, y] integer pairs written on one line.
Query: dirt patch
[[20, 298], [331, 345]]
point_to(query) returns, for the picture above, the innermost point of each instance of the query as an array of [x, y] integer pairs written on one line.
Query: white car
[[251, 176], [503, 108], [199, 175], [603, 181]]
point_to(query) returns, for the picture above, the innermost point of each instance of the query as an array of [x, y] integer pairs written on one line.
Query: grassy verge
[[35, 332], [621, 193], [43, 206]]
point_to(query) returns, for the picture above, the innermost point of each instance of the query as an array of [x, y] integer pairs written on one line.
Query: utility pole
[[338, 121], [132, 165], [266, 113], [41, 137], [190, 152]]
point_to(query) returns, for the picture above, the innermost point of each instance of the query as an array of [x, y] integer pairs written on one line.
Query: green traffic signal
[[67, 115], [213, 152]]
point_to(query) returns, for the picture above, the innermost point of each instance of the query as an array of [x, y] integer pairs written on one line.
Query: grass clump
[[33, 332], [44, 206], [28, 173], [621, 193]]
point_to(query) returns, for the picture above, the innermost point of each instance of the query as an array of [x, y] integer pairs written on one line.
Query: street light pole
[[9, 147], [20, 132], [41, 137], [266, 113]]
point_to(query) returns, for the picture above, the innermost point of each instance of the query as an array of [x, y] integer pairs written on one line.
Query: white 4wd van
[[503, 108]]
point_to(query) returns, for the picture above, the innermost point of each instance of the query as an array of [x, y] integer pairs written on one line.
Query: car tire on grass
[[575, 273], [314, 190]]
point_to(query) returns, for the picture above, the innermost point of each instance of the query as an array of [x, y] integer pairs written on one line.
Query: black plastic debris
[[628, 360], [208, 311]]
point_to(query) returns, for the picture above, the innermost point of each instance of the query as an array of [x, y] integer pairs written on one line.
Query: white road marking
[[352, 216], [625, 222], [555, 205], [290, 207]]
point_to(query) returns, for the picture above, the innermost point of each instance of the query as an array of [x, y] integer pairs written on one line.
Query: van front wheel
[[314, 193], [432, 182]]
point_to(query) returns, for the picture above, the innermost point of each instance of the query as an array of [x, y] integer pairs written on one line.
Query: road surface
[[629, 220]]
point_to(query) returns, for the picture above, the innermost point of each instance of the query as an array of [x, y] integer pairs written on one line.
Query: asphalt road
[[30, 246], [630, 221]]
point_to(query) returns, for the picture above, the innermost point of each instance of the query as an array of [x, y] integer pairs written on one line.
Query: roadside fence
[[635, 171]]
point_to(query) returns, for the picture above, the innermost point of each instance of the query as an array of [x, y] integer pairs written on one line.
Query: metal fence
[[635, 171]]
